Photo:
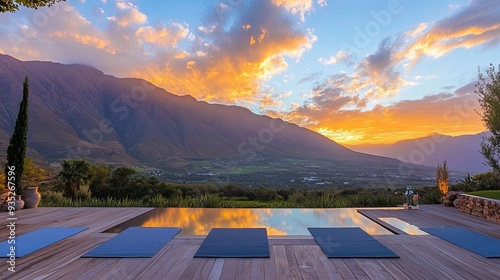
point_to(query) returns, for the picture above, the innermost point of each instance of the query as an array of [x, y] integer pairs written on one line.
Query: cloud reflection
[[199, 221]]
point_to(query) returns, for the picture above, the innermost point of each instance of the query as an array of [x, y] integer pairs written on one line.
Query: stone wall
[[486, 208]]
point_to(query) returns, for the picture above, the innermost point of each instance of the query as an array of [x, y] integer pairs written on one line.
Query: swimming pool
[[199, 221]]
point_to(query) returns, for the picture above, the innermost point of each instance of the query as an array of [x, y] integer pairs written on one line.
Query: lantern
[[410, 199]]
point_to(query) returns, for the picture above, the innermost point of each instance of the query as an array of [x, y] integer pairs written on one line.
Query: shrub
[[430, 196], [208, 201], [442, 176], [487, 181], [50, 198], [158, 201], [83, 193]]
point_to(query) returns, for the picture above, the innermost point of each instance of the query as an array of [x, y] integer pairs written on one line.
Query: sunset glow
[[199, 221], [373, 73]]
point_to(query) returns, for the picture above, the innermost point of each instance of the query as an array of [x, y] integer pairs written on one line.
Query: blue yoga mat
[[235, 243], [352, 242], [473, 241], [134, 242], [36, 240]]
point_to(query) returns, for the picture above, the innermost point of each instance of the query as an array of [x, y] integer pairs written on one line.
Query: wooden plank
[[328, 266], [281, 261], [373, 269], [244, 268], [307, 256], [162, 261], [229, 270], [394, 267], [182, 261], [205, 271], [304, 263], [427, 268], [343, 269], [192, 267], [356, 269], [216, 271], [270, 265], [292, 263], [120, 269], [308, 241], [257, 269]]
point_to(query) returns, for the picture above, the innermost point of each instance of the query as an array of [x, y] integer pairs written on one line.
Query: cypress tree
[[16, 151]]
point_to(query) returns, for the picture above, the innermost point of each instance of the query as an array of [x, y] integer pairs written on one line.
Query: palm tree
[[74, 174]]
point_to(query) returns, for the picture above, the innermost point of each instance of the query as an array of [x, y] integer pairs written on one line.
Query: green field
[[495, 194]]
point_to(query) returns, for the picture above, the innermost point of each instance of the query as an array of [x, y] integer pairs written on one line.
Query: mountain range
[[76, 111], [462, 153]]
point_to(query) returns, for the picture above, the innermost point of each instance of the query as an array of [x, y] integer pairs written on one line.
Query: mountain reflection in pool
[[199, 221]]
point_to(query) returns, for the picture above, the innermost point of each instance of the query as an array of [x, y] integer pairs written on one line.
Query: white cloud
[[295, 6], [419, 77], [128, 14], [453, 7], [340, 56]]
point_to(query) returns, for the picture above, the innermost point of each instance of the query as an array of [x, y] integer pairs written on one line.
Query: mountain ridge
[[77, 111], [433, 149]]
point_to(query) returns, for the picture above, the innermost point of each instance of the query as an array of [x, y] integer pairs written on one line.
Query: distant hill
[[460, 152], [77, 111]]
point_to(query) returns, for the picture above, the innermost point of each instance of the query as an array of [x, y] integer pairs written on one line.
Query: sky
[[355, 71]]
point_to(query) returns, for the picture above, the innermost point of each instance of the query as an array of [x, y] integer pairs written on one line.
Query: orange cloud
[[237, 60], [446, 113], [252, 40], [86, 40], [163, 36], [475, 24]]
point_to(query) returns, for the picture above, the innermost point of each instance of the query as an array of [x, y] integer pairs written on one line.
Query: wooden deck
[[422, 257]]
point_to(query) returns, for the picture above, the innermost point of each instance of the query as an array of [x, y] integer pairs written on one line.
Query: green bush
[[50, 198], [487, 181], [83, 193], [209, 201], [158, 201], [430, 196], [297, 198]]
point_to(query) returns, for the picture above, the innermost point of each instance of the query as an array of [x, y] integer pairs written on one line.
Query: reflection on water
[[199, 221], [404, 226]]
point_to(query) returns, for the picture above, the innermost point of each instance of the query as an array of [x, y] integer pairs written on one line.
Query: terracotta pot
[[19, 203], [31, 197]]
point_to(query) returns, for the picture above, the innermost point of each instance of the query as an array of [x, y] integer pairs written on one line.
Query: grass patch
[[495, 194], [251, 204]]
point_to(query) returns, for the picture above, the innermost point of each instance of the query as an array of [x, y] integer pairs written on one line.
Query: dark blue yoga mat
[[134, 242], [474, 241], [36, 240], [352, 242], [235, 243]]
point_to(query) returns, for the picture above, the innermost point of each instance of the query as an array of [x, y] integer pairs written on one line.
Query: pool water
[[199, 221]]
